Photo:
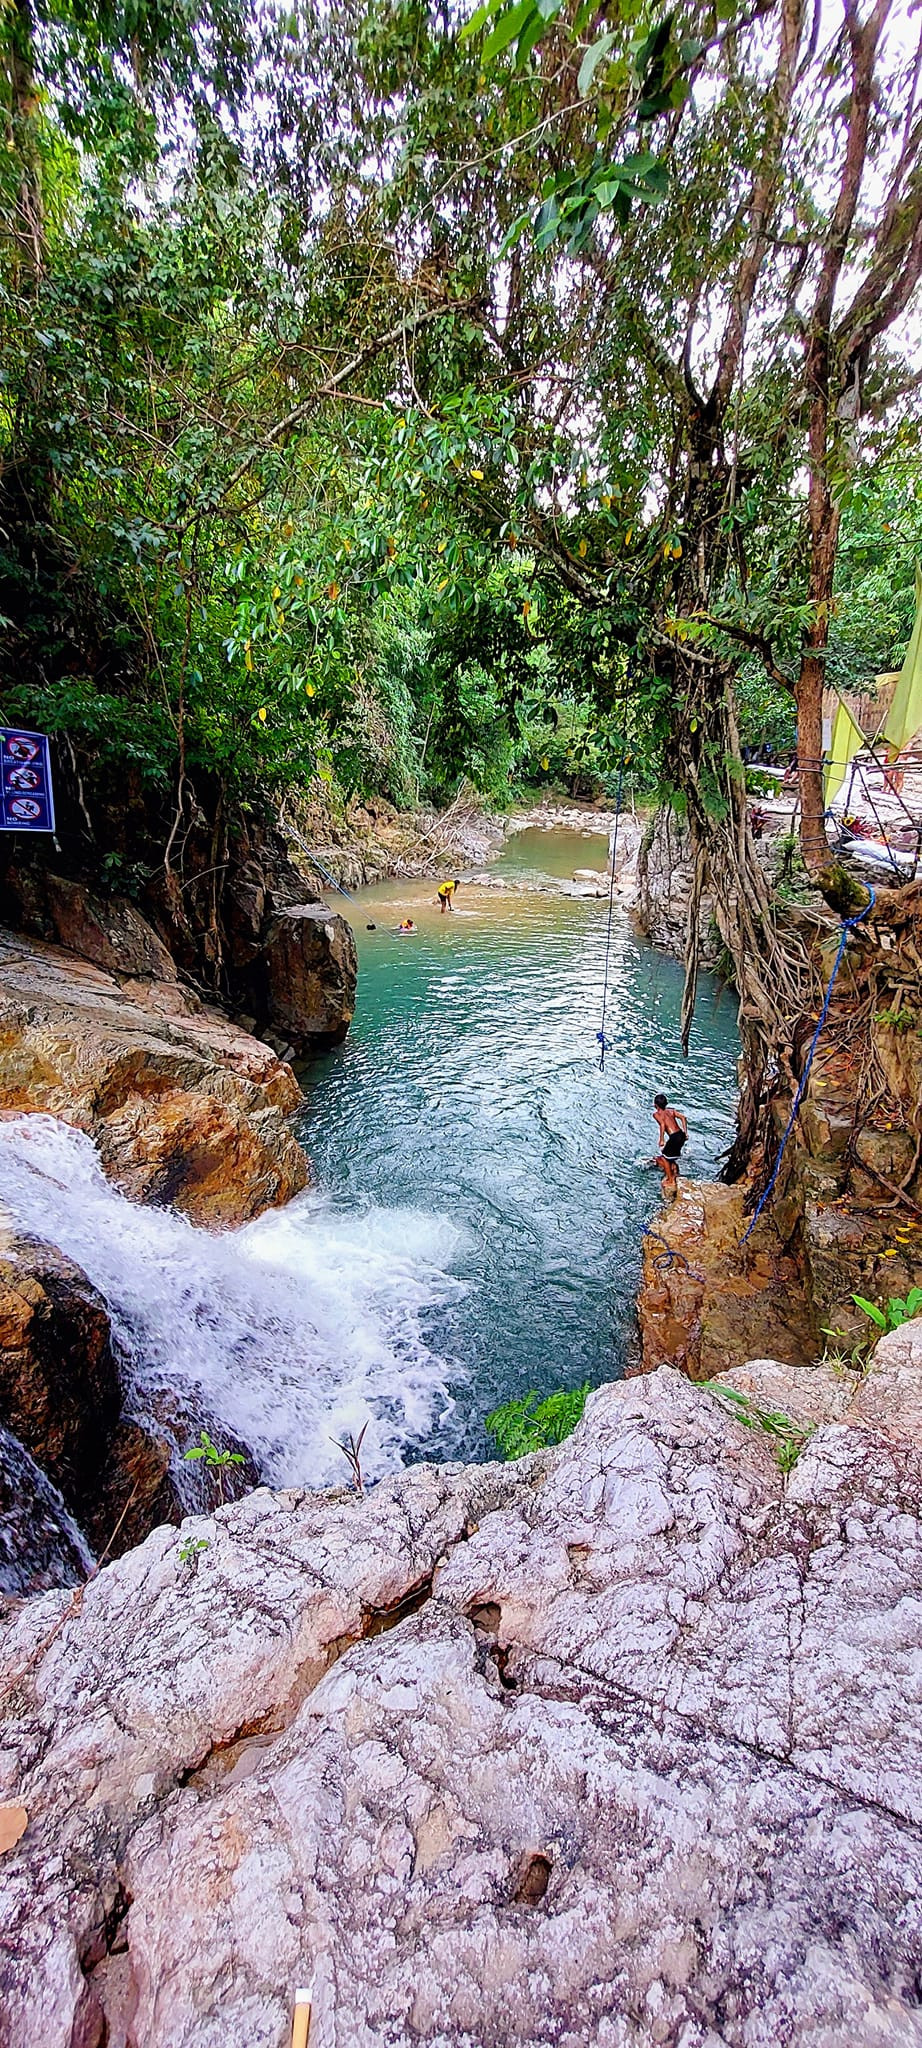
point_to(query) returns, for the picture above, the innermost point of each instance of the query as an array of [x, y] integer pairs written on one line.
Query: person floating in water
[[446, 892], [407, 925], [673, 1132]]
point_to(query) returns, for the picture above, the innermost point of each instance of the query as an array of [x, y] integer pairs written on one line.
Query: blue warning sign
[[26, 799]]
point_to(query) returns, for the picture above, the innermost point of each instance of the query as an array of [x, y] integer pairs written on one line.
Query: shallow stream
[[475, 1227]]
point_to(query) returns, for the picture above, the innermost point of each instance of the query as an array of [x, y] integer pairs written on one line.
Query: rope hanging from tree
[[601, 1040]]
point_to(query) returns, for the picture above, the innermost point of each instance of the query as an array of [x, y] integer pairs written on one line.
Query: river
[[469, 1093], [474, 1231]]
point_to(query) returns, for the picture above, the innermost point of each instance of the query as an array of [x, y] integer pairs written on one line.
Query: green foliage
[[790, 1437], [896, 1020], [217, 1460], [344, 413], [896, 1311], [529, 1424], [190, 1550]]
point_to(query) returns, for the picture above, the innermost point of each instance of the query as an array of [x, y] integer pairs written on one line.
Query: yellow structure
[[905, 714], [893, 718]]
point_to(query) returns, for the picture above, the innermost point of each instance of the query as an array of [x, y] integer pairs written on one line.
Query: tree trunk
[[823, 517], [813, 843], [28, 231]]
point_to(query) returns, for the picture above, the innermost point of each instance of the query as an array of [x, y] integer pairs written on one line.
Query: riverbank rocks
[[108, 930], [614, 1747], [707, 1301], [310, 970], [59, 1382], [76, 1430], [185, 1108]]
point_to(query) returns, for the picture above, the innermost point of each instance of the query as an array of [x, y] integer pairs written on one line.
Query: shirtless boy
[[673, 1132]]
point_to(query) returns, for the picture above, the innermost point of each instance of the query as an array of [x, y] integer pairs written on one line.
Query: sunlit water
[[475, 1228]]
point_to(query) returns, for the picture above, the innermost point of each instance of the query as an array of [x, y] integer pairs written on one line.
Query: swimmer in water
[[407, 925], [673, 1134]]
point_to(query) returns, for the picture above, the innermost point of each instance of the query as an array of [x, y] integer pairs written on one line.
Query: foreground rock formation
[[617, 1746], [185, 1108]]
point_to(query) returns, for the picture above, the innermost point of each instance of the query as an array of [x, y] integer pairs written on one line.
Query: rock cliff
[[618, 1746], [184, 1107], [220, 912], [664, 888], [710, 1298]]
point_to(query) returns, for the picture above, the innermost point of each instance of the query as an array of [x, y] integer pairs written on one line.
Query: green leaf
[[869, 1310], [592, 60], [531, 34], [514, 234], [508, 27], [480, 19]]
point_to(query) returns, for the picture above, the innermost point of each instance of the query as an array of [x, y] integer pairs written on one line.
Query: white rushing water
[[295, 1330]]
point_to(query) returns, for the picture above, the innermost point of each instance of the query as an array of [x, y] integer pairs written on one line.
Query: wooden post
[[301, 2024]]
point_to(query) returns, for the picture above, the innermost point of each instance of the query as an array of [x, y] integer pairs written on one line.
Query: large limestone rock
[[637, 1760], [185, 1108], [887, 1397]]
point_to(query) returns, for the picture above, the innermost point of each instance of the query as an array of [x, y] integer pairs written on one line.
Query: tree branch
[[761, 207], [333, 387]]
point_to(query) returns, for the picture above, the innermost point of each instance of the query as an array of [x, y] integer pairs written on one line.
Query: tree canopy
[[394, 397]]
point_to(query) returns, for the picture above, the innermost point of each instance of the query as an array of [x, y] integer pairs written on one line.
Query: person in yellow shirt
[[446, 891]]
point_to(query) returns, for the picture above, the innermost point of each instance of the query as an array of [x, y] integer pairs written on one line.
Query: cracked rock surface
[[616, 1746]]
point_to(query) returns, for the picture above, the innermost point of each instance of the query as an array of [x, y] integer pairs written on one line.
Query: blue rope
[[848, 926], [670, 1257], [601, 1039]]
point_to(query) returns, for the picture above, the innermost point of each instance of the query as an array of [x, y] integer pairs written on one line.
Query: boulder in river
[[613, 1747], [308, 971], [185, 1108]]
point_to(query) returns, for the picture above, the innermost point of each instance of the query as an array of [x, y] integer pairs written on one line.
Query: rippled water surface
[[469, 1087]]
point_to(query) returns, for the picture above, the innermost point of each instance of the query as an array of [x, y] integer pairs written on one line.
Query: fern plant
[[528, 1424]]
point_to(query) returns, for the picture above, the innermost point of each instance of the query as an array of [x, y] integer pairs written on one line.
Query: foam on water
[[297, 1329]]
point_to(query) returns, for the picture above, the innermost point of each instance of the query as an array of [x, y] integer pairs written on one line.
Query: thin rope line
[[848, 926], [600, 1035]]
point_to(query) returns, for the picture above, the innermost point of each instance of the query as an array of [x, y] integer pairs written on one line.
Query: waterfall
[[40, 1543], [295, 1330]]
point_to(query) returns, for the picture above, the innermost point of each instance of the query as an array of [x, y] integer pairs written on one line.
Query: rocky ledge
[[185, 1108], [711, 1297], [617, 1746]]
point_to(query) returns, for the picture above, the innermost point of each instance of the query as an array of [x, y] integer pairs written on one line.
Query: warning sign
[[26, 800]]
